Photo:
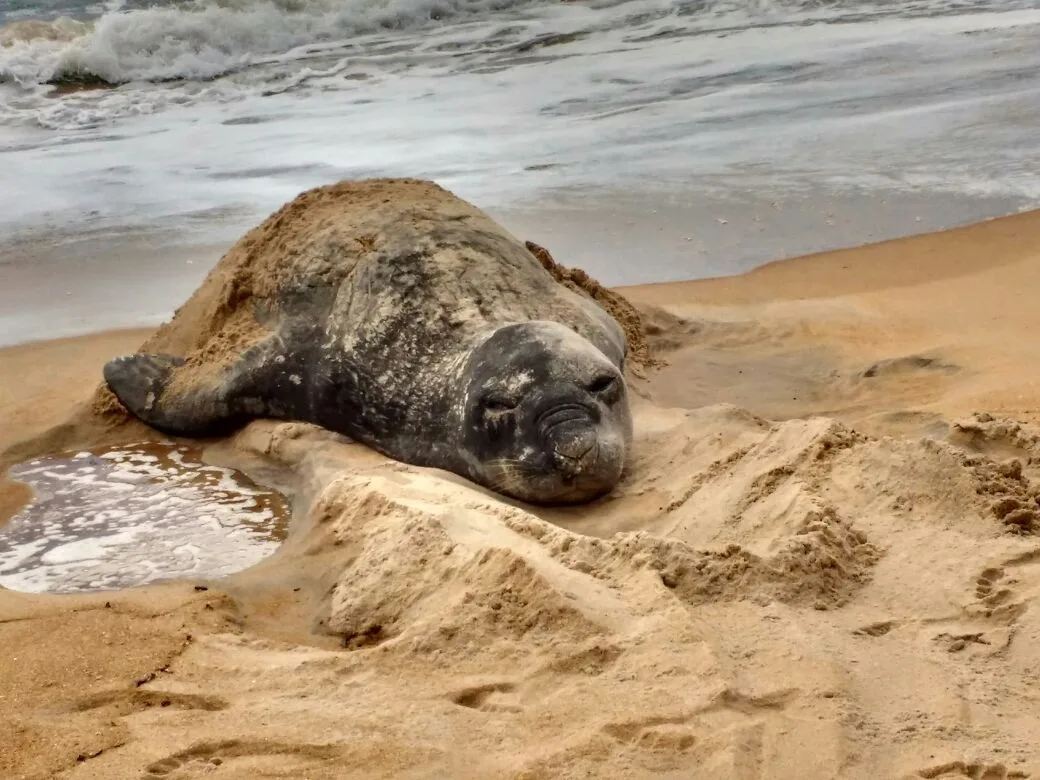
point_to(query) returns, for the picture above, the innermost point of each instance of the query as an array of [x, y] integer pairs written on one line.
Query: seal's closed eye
[[498, 404], [607, 388], [602, 383]]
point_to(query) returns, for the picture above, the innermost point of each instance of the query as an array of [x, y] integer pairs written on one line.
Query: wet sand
[[821, 564], [59, 285]]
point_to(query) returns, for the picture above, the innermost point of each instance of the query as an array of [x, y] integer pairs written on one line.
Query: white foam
[[84, 532], [204, 40], [85, 549], [14, 558]]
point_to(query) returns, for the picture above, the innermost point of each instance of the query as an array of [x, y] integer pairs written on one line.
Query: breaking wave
[[204, 40]]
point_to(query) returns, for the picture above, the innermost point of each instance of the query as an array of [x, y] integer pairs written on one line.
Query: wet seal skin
[[399, 315]]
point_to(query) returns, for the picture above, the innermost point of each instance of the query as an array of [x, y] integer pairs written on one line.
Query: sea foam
[[204, 40]]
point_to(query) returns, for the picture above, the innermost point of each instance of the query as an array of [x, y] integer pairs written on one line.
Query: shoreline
[[55, 287], [872, 266]]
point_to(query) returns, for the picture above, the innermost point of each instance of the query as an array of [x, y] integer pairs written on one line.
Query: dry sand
[[820, 565]]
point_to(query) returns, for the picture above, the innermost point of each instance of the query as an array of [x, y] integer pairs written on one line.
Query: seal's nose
[[573, 451]]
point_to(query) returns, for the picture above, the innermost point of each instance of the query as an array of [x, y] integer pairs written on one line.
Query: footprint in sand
[[673, 733], [504, 695], [996, 598], [991, 618], [658, 734], [491, 697], [299, 760], [989, 589], [136, 699], [876, 629]]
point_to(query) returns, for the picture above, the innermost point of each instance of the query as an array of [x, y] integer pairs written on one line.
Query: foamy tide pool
[[129, 516]]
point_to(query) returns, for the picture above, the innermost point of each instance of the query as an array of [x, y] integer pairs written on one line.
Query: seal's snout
[[576, 452], [570, 431]]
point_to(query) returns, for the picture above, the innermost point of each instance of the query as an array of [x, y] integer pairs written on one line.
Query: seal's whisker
[[511, 474], [516, 469], [512, 463]]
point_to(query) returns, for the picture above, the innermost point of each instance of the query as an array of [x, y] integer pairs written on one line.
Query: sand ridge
[[821, 563]]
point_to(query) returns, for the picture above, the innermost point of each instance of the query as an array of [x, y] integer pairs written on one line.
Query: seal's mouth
[[582, 466], [575, 452]]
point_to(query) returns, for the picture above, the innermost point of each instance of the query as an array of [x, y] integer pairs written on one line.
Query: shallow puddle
[[126, 516]]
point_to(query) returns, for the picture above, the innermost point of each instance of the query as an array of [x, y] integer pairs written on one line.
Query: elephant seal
[[397, 314]]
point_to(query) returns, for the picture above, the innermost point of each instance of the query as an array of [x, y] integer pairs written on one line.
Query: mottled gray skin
[[450, 346]]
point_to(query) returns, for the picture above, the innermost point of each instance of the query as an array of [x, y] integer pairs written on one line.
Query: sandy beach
[[821, 563]]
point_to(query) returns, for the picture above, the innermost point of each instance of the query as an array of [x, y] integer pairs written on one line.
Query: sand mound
[[739, 509]]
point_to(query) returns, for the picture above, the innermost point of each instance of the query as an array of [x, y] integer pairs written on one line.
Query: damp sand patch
[[126, 516]]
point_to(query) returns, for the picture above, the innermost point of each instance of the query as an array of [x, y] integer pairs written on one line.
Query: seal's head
[[545, 415]]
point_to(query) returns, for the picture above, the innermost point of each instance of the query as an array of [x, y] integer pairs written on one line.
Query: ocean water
[[189, 121]]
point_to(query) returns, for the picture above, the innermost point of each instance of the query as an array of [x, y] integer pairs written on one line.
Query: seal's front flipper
[[142, 384], [139, 380], [203, 398]]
